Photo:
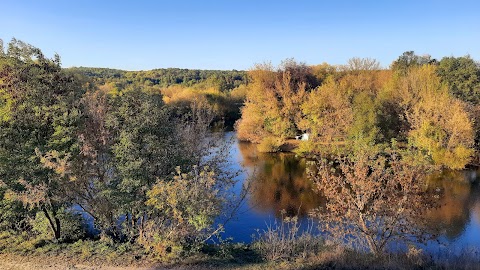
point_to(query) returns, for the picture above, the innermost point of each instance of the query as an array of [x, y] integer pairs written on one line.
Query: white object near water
[[303, 137]]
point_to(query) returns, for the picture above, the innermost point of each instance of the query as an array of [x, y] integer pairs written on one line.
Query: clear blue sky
[[234, 34]]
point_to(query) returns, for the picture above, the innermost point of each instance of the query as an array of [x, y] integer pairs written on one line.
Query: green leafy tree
[[409, 59], [182, 210], [41, 113], [146, 146], [462, 75], [365, 123]]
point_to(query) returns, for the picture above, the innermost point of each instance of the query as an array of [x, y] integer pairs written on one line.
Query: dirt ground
[[12, 262], [18, 262]]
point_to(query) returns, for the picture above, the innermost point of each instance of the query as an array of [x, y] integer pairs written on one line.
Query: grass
[[82, 251], [281, 246], [284, 241]]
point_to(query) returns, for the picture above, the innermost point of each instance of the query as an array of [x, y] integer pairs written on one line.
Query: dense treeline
[[119, 158], [221, 91], [225, 80], [427, 107]]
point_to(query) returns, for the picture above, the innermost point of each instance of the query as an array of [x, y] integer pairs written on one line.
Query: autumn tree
[[327, 113], [357, 64], [345, 108], [440, 125], [372, 201], [462, 76], [322, 72], [365, 119], [274, 96]]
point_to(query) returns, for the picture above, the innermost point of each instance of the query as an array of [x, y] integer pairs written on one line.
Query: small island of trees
[[427, 107]]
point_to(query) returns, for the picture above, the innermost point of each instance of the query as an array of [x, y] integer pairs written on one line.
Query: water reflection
[[459, 197], [279, 183]]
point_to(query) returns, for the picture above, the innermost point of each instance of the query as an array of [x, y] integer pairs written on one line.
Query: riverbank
[[330, 260], [18, 262], [89, 255]]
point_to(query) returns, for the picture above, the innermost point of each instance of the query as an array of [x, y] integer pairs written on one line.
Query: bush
[[183, 212], [269, 145], [71, 226], [13, 216], [305, 148], [285, 242]]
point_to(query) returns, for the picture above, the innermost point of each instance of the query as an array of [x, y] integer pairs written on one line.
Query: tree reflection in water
[[279, 183], [373, 202], [459, 201]]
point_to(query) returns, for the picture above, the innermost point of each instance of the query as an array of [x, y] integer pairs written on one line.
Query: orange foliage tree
[[274, 96], [372, 201]]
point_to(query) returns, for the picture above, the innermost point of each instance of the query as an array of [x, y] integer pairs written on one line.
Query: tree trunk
[[371, 242], [57, 231], [55, 226]]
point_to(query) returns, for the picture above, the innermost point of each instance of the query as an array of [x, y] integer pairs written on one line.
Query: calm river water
[[279, 182]]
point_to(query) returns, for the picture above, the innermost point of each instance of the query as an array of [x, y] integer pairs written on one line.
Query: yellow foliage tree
[[327, 113], [344, 108], [439, 123], [273, 99]]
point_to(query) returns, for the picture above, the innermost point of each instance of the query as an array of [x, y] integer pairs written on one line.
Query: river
[[279, 182]]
